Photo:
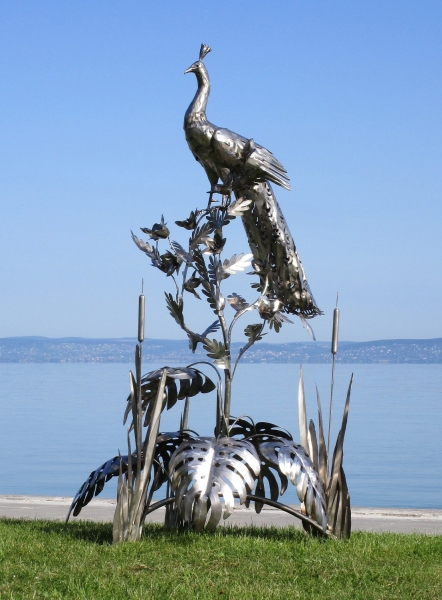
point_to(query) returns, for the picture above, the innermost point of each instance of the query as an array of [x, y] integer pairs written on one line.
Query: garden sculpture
[[251, 462]]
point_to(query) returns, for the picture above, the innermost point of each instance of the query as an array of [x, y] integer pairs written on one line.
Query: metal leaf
[[168, 263], [217, 218], [196, 338], [158, 231], [200, 264], [339, 448], [322, 451], [196, 382], [166, 445], [302, 411], [190, 222], [292, 460], [215, 270], [237, 263], [254, 332], [151, 252], [214, 349], [239, 207], [191, 284], [313, 445], [184, 389], [200, 235], [308, 328], [278, 316], [95, 482], [212, 328], [237, 302], [172, 393], [175, 309], [257, 433], [261, 431], [215, 244], [179, 251], [338, 510], [206, 470], [143, 246]]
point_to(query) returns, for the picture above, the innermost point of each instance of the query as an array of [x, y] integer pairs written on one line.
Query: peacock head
[[198, 66]]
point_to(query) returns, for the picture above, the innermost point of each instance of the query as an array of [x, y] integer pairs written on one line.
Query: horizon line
[[134, 339]]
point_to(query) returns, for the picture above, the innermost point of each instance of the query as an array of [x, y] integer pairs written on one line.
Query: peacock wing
[[262, 162], [228, 148], [253, 162]]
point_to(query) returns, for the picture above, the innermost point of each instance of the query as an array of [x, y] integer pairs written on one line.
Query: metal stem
[[227, 398], [227, 373], [334, 350], [139, 415], [291, 511], [331, 406], [186, 413]]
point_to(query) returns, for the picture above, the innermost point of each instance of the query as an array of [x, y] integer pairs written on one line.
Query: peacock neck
[[197, 108]]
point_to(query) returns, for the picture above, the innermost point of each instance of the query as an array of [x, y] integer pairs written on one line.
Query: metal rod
[[291, 511], [334, 350], [331, 405], [139, 414], [160, 504], [186, 413]]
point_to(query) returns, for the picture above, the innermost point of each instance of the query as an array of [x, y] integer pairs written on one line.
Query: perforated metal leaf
[[206, 472], [256, 433], [291, 460], [192, 381], [166, 445], [96, 481]]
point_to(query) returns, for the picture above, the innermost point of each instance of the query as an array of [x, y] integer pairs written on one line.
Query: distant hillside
[[121, 350]]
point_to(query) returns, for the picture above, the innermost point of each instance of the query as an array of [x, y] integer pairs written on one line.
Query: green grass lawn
[[41, 559]]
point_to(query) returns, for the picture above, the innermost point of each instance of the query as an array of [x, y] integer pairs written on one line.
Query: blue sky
[[346, 94]]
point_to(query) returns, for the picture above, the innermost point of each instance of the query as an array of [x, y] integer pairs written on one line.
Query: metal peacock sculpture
[[246, 169], [242, 460]]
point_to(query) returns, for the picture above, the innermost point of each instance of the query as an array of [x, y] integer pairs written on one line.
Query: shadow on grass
[[98, 533], [101, 533]]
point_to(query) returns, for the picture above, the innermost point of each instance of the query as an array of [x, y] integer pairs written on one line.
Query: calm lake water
[[61, 421]]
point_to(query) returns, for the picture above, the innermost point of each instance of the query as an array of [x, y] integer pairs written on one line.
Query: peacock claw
[[224, 190]]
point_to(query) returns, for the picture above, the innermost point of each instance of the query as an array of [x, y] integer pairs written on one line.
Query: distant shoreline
[[34, 349]]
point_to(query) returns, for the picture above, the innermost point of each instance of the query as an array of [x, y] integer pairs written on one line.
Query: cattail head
[[335, 334], [141, 311]]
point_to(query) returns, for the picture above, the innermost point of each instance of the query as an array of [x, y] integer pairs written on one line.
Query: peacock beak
[[189, 70]]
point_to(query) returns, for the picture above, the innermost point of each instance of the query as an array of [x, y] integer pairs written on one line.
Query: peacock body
[[247, 169]]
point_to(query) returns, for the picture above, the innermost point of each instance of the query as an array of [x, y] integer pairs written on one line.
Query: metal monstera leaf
[[257, 433], [291, 460], [191, 382], [205, 471], [166, 444]]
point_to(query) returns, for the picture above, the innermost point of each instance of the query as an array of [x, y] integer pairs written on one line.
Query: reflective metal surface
[[207, 469], [255, 462], [292, 460], [246, 169]]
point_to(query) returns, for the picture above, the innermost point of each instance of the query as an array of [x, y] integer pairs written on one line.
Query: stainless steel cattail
[[335, 334], [334, 351], [141, 318]]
